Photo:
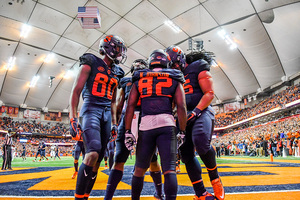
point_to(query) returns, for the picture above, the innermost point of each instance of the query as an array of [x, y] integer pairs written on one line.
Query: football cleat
[[74, 175], [218, 189], [177, 169], [157, 197], [207, 196]]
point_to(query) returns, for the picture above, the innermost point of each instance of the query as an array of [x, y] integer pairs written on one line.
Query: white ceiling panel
[[14, 91], [16, 11], [145, 11], [167, 38], [70, 9], [266, 34], [36, 37], [232, 64], [265, 5], [86, 37], [228, 10], [195, 21], [127, 31], [10, 48], [223, 81], [49, 19], [284, 29], [10, 29], [28, 61], [178, 6], [146, 45], [120, 7], [69, 48], [255, 41]]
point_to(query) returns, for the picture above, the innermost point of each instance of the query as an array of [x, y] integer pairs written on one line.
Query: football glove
[[113, 133], [180, 138], [130, 140], [192, 116], [75, 129]]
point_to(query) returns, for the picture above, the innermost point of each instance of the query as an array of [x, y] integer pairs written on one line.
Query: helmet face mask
[[177, 56], [159, 58], [138, 64], [114, 47]]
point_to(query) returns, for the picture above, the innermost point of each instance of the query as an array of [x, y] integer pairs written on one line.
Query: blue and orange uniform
[[122, 152], [199, 133], [95, 115], [97, 93], [156, 88]]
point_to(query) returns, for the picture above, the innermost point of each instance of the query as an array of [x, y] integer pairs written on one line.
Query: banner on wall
[[32, 114], [2, 109], [16, 110], [230, 107], [9, 111], [53, 116]]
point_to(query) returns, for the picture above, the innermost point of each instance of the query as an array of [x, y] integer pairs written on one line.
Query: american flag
[[89, 17]]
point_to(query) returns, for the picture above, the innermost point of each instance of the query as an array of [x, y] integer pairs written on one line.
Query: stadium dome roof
[[263, 37]]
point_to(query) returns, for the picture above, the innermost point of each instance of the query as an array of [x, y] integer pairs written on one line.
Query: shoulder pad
[[124, 81], [140, 73], [117, 70], [172, 73], [87, 59], [197, 66], [175, 74]]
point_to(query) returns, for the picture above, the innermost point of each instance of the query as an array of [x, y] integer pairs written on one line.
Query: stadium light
[[175, 28], [34, 81], [49, 57], [25, 30], [227, 39], [68, 74], [11, 63]]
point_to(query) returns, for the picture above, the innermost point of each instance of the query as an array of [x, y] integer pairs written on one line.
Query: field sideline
[[242, 177]]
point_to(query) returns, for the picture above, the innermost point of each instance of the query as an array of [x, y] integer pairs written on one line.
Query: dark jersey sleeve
[[175, 74], [198, 66], [172, 73], [118, 71], [87, 59], [123, 82]]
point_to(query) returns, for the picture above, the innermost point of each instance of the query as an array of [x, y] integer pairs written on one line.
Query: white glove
[[130, 140], [180, 138]]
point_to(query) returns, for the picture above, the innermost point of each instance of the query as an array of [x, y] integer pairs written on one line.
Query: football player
[[43, 152], [158, 87], [122, 152], [199, 94], [97, 81], [39, 150]]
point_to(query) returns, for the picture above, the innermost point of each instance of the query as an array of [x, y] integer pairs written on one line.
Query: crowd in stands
[[31, 133], [280, 99], [34, 127], [259, 140]]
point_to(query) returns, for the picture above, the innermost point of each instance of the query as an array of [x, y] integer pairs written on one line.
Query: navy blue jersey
[[192, 90], [102, 80], [126, 84], [156, 89], [43, 148]]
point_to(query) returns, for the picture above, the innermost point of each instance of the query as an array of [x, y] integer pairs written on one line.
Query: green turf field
[[67, 161]]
